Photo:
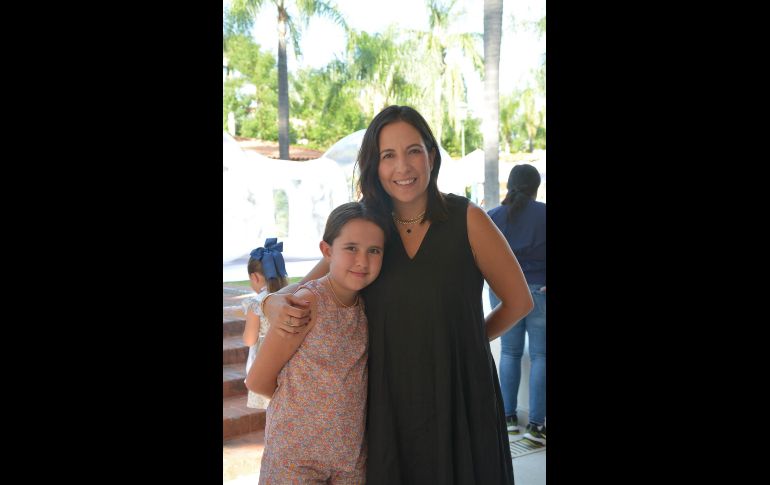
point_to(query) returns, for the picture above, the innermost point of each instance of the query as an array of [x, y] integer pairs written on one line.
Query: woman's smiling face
[[405, 164]]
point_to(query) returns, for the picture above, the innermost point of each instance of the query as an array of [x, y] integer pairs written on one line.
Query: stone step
[[233, 312], [242, 455], [232, 326], [232, 380], [233, 350], [237, 419]]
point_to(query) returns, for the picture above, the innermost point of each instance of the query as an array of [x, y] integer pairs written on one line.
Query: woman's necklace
[[408, 222], [331, 287]]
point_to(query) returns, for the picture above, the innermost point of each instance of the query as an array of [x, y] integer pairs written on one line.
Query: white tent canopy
[[250, 182]]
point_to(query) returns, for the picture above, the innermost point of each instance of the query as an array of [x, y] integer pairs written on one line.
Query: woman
[[521, 219], [435, 412]]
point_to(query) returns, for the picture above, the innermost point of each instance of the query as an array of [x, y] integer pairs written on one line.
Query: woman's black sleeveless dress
[[435, 411]]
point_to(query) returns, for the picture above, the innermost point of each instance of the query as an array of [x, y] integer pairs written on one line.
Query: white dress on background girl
[[254, 304]]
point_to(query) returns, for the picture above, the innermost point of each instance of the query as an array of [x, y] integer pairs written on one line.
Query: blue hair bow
[[271, 258]]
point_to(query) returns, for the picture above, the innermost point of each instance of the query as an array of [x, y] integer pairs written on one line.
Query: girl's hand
[[287, 313]]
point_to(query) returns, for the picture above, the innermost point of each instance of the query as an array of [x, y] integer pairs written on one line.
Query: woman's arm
[[251, 330], [288, 313], [500, 268], [274, 353]]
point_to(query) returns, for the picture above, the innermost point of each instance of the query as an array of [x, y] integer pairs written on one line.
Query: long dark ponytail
[[523, 182]]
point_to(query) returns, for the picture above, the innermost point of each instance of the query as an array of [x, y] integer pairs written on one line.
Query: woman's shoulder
[[456, 200], [456, 205]]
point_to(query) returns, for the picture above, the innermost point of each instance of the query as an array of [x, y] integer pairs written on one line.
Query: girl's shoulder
[[311, 290], [250, 303], [254, 303]]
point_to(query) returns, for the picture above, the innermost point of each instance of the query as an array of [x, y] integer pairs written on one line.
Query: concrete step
[[242, 455], [232, 326], [233, 350], [232, 380], [237, 419], [233, 312]]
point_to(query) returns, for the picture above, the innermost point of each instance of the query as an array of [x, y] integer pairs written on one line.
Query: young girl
[[318, 381], [267, 271]]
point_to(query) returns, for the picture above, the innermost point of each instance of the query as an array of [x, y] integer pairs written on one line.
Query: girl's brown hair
[[273, 284]]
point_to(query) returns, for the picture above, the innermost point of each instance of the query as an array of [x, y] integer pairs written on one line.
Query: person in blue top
[[521, 219]]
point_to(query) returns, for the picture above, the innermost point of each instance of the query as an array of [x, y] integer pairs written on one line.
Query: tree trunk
[[283, 89], [493, 31]]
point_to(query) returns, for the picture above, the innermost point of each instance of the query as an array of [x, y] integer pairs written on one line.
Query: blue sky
[[520, 51]]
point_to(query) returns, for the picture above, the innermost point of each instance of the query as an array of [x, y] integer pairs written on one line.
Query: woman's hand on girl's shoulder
[[295, 313], [287, 313]]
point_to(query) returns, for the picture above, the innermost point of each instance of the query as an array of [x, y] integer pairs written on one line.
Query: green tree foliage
[[382, 70], [538, 140], [290, 17], [234, 23], [531, 116], [341, 98], [509, 107], [522, 121], [255, 113], [523, 112], [437, 67], [421, 69], [326, 108], [452, 137]]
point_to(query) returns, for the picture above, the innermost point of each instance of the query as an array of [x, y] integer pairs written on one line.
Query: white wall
[[313, 189]]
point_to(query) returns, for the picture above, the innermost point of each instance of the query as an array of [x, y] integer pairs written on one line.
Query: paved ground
[[527, 470]]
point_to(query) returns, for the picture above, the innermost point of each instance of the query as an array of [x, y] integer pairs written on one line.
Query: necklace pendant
[[414, 220]]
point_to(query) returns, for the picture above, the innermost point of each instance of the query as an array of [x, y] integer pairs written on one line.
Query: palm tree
[[380, 67], [509, 107], [441, 72], [287, 24], [531, 117], [493, 32]]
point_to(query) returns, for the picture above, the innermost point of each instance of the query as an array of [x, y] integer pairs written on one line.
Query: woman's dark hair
[[372, 192], [346, 213], [273, 284], [523, 182]]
